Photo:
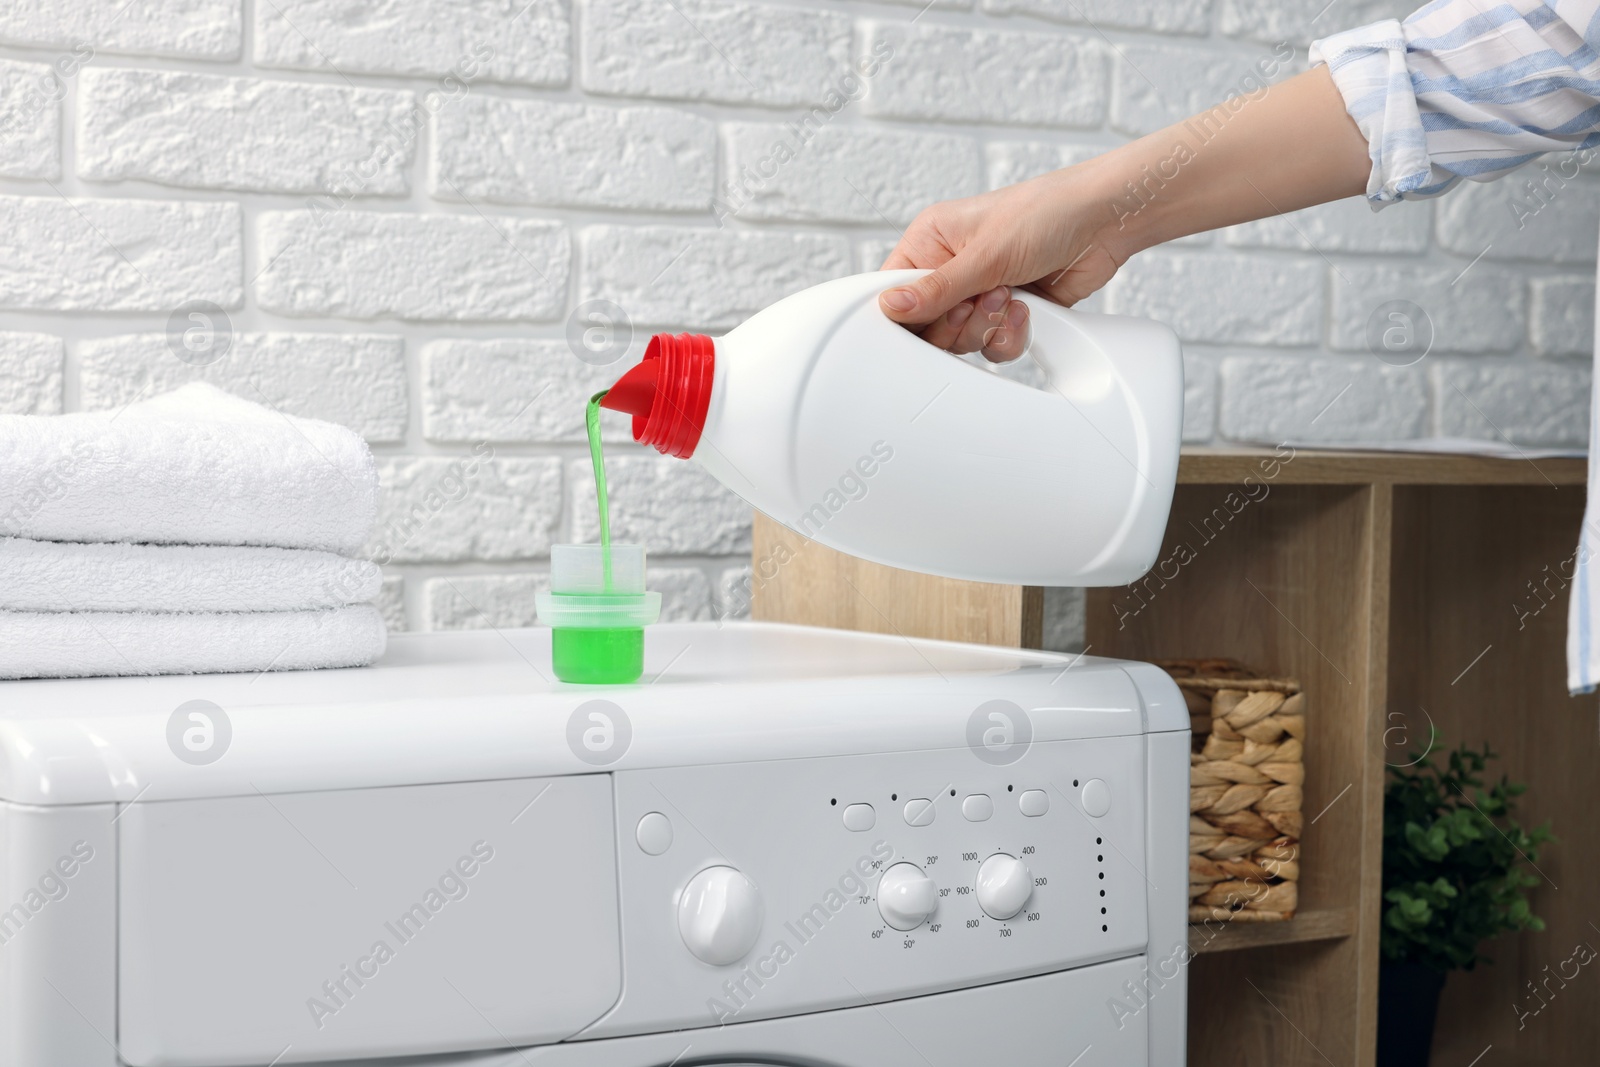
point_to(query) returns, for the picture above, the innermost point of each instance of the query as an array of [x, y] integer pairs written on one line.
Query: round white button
[[906, 896], [654, 833], [1004, 886], [1096, 797], [720, 915]]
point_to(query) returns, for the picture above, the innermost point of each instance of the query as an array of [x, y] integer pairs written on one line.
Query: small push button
[[977, 807], [859, 817], [1096, 798], [919, 812], [1033, 802], [654, 834]]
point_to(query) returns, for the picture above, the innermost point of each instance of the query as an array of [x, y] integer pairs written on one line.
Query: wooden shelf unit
[[1396, 587]]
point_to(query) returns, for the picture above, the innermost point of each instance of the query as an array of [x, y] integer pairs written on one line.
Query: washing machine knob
[[720, 915], [1004, 885], [906, 896]]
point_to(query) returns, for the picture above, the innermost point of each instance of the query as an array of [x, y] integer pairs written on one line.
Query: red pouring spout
[[668, 393], [635, 391]]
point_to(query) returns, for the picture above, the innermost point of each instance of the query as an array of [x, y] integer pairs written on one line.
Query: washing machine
[[786, 846]]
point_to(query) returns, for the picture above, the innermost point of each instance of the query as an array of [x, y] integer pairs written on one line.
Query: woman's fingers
[[1010, 340], [1085, 275], [943, 331], [898, 260], [992, 323], [988, 315], [934, 294]]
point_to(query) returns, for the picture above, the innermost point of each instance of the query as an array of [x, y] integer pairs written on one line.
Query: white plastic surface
[[853, 431], [720, 915], [825, 943], [977, 808], [1055, 1020], [906, 896], [752, 744], [1096, 797], [250, 927], [476, 705], [1166, 966], [654, 833], [58, 936], [1004, 886], [859, 818]]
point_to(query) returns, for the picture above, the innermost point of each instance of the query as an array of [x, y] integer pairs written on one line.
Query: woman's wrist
[[1251, 157], [1119, 194]]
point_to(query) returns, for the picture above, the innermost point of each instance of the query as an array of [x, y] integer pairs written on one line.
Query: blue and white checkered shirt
[[1473, 89]]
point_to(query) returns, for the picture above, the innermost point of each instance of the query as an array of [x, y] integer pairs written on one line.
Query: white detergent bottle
[[837, 422]]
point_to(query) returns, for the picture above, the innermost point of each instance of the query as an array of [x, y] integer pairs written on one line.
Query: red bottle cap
[[668, 393]]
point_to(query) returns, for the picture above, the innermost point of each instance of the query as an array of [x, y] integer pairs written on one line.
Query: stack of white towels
[[191, 533]]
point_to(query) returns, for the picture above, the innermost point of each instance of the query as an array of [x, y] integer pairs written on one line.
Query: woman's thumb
[[933, 294]]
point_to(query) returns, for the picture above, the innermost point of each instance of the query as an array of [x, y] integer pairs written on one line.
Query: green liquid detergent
[[597, 459], [598, 655]]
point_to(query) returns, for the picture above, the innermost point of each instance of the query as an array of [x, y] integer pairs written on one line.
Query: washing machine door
[[294, 953], [1083, 1017]]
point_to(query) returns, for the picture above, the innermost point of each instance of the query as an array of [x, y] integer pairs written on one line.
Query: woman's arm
[[1404, 110], [1065, 233]]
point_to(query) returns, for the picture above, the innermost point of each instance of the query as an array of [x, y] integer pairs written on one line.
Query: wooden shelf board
[[1217, 466], [1326, 924]]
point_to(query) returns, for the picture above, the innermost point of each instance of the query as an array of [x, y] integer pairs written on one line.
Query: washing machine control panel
[[755, 890]]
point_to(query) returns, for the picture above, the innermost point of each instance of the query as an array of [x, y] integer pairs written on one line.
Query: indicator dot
[[1102, 859], [1074, 783], [1102, 875], [1098, 841], [1102, 911], [1103, 929], [894, 796], [834, 801]]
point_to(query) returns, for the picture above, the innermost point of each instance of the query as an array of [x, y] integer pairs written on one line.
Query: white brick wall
[[197, 29], [30, 121], [525, 43], [573, 155], [204, 132], [400, 204], [30, 373], [994, 77], [358, 380]]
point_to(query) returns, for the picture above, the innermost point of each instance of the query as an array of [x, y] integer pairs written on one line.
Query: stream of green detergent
[[605, 654], [591, 421]]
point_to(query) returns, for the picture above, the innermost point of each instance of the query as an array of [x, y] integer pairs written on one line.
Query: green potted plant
[[1454, 875]]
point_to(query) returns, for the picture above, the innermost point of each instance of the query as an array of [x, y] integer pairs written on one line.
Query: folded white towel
[[76, 644], [194, 466], [61, 576]]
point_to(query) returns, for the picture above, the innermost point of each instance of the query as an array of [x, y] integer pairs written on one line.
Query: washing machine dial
[[906, 896], [1004, 886], [720, 915]]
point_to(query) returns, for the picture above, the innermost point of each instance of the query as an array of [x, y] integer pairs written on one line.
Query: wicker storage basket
[[1245, 776]]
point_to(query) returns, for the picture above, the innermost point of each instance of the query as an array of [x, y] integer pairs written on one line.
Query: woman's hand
[[1064, 234], [1047, 234]]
